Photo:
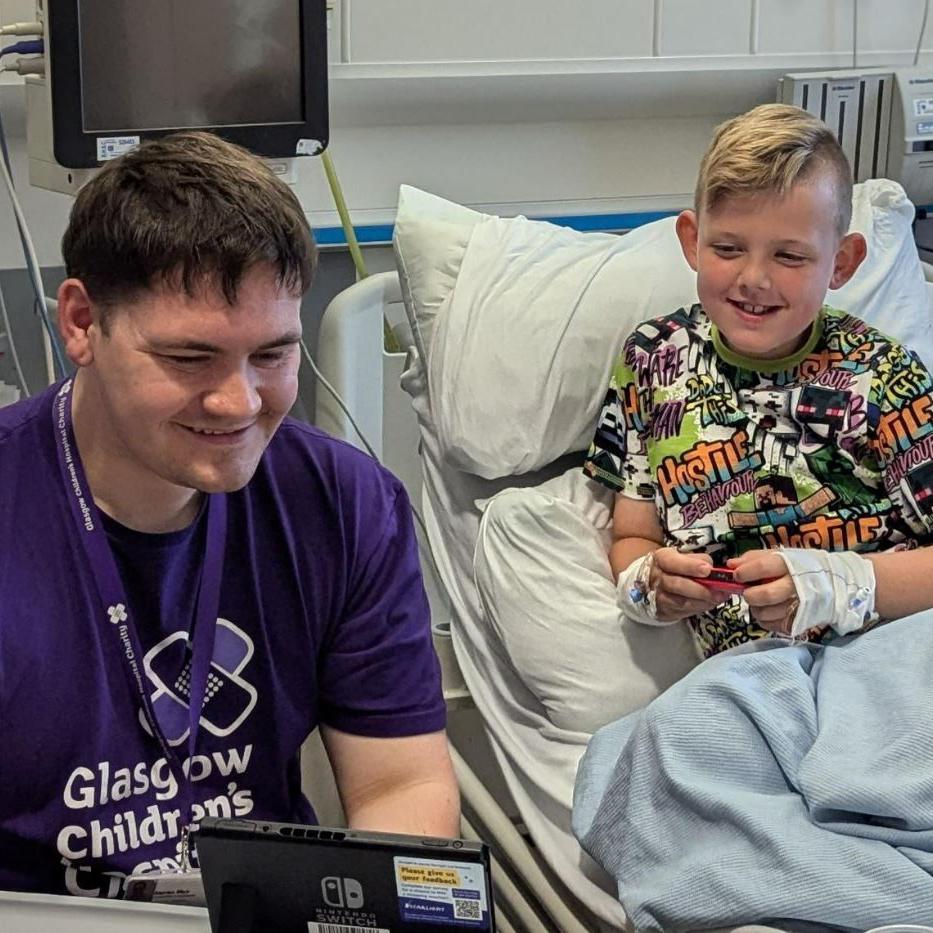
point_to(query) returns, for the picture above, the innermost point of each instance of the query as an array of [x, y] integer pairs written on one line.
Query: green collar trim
[[755, 364]]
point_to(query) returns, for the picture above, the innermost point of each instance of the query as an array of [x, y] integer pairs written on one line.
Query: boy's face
[[764, 263]]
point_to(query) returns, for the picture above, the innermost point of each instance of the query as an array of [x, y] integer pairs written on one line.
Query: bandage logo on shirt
[[228, 697]]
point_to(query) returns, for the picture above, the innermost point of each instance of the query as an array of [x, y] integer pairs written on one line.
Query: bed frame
[[351, 356]]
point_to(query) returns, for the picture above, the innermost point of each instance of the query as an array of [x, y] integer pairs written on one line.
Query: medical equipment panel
[[882, 117], [121, 71]]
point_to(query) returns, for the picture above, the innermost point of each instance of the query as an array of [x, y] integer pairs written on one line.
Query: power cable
[[32, 263], [356, 254], [923, 29], [12, 345], [426, 547]]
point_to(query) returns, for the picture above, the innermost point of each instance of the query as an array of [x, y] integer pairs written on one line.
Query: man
[[168, 533]]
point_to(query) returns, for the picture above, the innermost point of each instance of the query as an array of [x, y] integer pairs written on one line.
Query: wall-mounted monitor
[[252, 71]]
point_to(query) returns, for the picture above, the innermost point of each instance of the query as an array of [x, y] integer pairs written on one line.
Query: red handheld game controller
[[721, 578]]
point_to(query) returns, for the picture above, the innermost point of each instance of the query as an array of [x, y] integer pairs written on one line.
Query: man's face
[[192, 389], [764, 264]]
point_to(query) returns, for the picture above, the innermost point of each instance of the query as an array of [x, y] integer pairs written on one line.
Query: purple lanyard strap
[[116, 615]]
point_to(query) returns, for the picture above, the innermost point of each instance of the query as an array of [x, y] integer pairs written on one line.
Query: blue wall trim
[[382, 233], [334, 236], [606, 223]]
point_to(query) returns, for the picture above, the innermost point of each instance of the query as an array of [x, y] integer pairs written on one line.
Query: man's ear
[[849, 257], [77, 320], [688, 230]]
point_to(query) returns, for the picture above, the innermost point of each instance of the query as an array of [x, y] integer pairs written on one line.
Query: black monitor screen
[[179, 63]]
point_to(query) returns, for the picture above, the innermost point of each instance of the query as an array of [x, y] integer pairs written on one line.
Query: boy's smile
[[764, 263]]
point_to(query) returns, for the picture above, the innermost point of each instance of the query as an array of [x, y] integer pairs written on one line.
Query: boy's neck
[[808, 340]]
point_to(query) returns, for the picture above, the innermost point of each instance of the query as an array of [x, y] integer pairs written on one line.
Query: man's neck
[[122, 488]]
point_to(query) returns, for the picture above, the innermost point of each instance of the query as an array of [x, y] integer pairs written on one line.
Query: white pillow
[[519, 322], [888, 291], [546, 586], [430, 238]]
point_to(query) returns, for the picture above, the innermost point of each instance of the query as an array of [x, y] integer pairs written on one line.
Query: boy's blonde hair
[[767, 151]]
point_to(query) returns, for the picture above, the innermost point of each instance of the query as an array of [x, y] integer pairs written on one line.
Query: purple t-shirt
[[323, 619]]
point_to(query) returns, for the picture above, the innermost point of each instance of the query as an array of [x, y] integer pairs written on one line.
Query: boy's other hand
[[774, 603], [676, 595]]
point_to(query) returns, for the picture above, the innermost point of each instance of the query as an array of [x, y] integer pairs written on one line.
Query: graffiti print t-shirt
[[831, 448], [323, 619]]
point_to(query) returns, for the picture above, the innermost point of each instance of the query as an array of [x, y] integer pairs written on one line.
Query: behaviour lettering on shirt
[[832, 450]]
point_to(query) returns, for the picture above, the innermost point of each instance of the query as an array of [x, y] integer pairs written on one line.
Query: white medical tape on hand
[[634, 595], [835, 589]]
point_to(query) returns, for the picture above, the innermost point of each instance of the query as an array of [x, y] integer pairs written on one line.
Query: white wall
[[551, 107], [547, 107], [17, 11]]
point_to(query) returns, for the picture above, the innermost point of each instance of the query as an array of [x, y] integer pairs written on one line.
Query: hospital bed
[[509, 329]]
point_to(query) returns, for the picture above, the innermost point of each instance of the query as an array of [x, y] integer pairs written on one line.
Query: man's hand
[[773, 604], [676, 595]]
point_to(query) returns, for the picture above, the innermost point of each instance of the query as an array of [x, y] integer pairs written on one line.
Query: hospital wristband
[[634, 594]]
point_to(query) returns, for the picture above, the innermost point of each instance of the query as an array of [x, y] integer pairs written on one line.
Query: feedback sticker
[[435, 891]]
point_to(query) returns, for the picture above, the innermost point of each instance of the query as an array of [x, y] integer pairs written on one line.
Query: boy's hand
[[773, 604], [676, 595]]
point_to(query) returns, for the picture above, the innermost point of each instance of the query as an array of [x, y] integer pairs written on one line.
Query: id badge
[[184, 886], [167, 887]]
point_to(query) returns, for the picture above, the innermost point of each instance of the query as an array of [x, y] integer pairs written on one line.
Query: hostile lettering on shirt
[[898, 430], [828, 533], [703, 466]]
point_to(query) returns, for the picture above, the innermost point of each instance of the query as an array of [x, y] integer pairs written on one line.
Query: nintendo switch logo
[[342, 892]]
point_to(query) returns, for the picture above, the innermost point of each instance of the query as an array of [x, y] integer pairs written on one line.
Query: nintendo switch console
[[262, 877]]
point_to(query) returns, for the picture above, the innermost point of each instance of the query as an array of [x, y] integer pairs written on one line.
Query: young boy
[[760, 419]]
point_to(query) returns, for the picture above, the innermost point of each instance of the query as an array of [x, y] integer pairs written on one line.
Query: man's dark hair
[[189, 210]]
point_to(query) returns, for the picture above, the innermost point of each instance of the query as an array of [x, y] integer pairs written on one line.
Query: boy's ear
[[75, 319], [849, 257], [688, 229]]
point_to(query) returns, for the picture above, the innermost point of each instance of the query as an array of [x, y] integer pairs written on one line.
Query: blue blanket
[[791, 783]]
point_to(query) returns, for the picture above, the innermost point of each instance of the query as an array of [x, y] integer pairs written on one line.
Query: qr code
[[465, 909]]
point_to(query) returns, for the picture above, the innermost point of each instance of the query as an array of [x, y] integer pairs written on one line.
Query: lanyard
[[116, 615]]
